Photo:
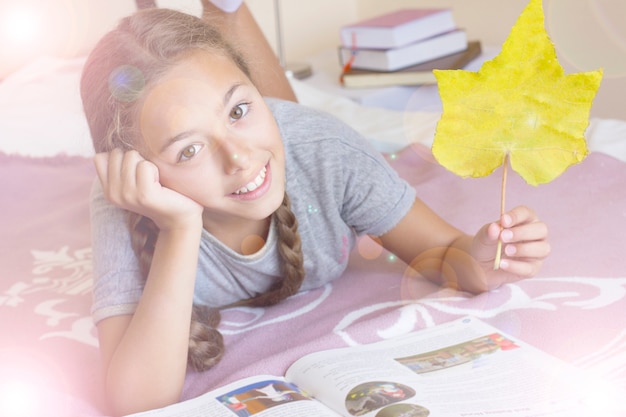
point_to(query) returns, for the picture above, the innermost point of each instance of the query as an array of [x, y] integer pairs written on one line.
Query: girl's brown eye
[[189, 152], [238, 111]]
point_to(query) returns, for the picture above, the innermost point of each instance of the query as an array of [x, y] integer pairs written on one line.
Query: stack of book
[[402, 48]]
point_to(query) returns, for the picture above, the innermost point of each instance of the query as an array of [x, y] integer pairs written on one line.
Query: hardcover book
[[413, 75], [397, 29], [405, 56]]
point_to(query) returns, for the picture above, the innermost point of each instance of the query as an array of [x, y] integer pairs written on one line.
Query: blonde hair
[[123, 65]]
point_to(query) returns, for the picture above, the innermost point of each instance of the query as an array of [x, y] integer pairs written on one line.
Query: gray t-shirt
[[339, 187]]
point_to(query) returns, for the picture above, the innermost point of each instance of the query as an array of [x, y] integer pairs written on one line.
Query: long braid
[[206, 343], [143, 235], [203, 353], [290, 251]]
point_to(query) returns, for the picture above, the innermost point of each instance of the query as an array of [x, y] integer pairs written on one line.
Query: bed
[[49, 362]]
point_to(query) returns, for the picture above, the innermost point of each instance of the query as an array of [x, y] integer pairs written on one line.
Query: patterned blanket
[[575, 309]]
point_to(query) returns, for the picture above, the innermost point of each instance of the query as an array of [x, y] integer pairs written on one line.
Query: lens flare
[[18, 398], [31, 384], [126, 83], [21, 25], [369, 247]]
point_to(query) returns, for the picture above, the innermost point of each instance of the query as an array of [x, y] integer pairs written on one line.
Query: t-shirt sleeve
[[375, 198], [344, 171], [117, 280]]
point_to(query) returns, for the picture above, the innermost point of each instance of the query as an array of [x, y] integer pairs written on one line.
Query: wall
[[588, 34], [311, 26], [308, 26]]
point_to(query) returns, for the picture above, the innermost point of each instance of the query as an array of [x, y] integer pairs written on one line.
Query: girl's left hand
[[524, 246]]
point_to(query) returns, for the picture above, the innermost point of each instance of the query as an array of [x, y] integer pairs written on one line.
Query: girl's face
[[208, 130]]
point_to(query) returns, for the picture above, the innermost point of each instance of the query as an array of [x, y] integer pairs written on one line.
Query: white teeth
[[253, 185]]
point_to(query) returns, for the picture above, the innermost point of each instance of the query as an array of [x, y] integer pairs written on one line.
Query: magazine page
[[463, 368], [258, 396]]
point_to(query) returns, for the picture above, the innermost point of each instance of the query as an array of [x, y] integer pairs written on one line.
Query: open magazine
[[462, 368]]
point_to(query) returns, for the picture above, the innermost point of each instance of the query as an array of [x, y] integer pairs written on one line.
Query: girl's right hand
[[132, 182]]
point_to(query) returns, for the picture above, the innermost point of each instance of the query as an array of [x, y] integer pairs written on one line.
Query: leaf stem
[[505, 170]]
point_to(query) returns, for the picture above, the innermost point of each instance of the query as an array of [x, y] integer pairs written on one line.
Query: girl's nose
[[235, 155]]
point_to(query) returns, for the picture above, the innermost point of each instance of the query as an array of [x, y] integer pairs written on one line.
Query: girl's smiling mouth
[[257, 187]]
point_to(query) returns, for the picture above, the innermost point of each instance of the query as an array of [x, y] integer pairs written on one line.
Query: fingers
[[525, 242], [517, 216], [525, 232], [519, 225], [146, 174], [524, 259], [520, 268], [126, 176], [101, 161], [526, 250], [131, 182]]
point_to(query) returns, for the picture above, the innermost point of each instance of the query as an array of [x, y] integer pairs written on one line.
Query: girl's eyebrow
[[187, 133], [177, 138], [230, 92]]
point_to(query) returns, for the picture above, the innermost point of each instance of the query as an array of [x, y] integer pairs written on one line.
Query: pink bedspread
[[575, 309]]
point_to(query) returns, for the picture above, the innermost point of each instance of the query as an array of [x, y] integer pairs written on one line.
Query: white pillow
[[41, 112]]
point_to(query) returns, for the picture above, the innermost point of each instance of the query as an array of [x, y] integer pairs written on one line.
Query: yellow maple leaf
[[519, 105]]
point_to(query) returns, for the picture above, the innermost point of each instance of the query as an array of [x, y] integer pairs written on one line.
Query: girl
[[204, 201]]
